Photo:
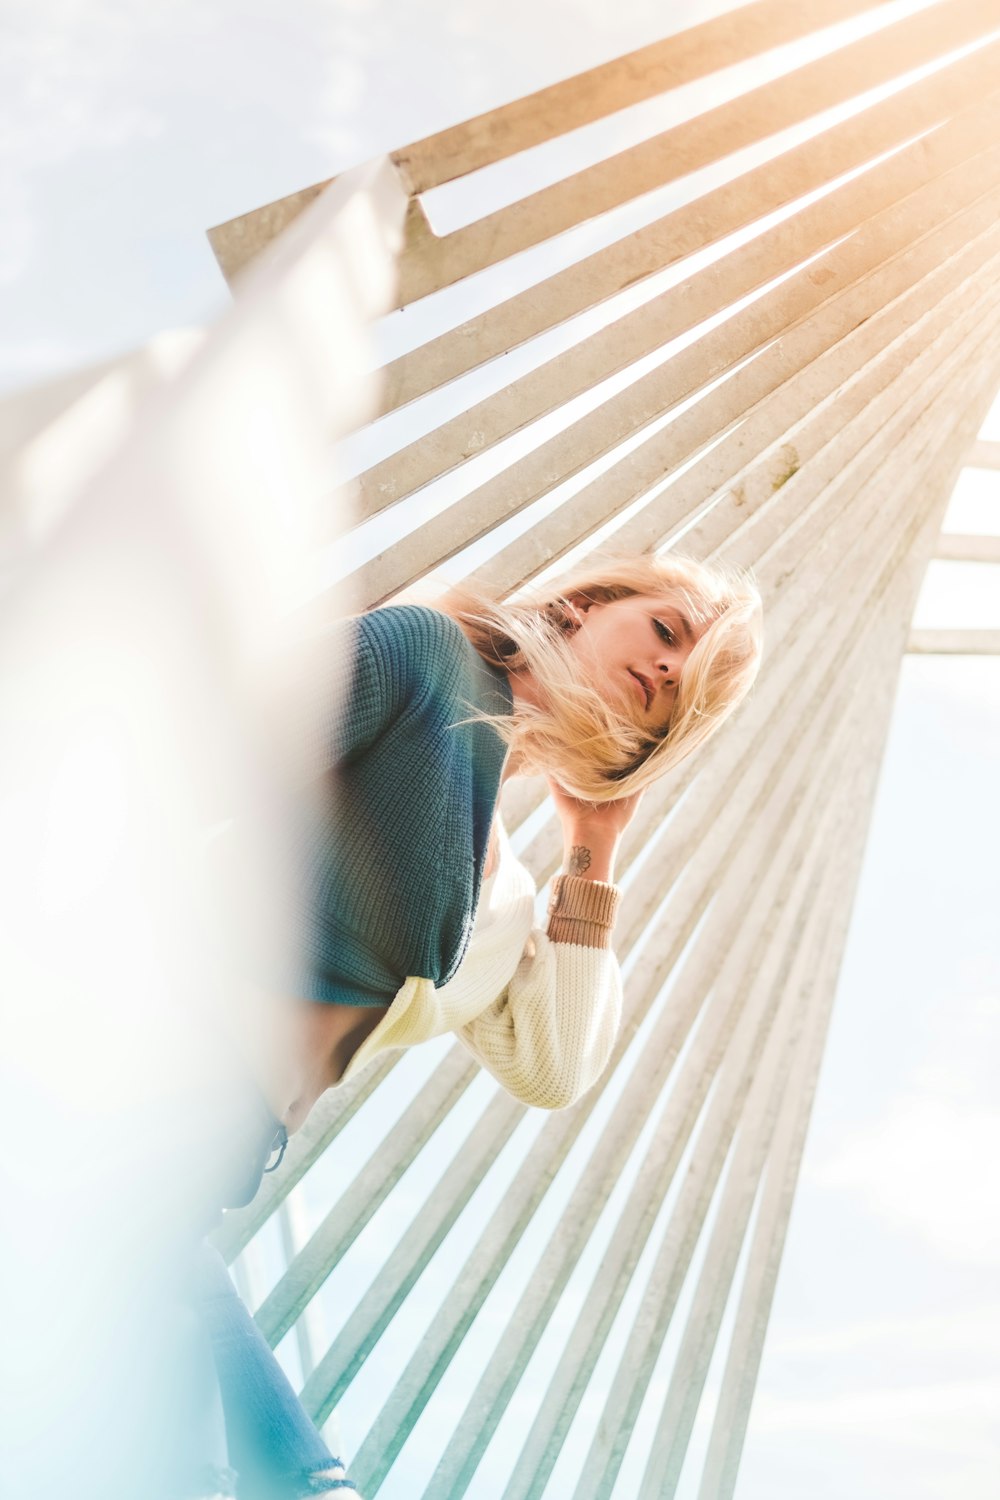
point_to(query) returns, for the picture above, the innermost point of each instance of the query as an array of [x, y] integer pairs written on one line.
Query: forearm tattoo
[[579, 860]]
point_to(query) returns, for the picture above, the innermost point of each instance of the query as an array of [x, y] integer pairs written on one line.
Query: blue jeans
[[273, 1446], [129, 1368], [272, 1450]]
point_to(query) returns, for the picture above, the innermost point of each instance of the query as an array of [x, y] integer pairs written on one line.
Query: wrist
[[590, 858]]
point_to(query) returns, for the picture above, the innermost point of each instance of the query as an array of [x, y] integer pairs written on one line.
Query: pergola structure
[[750, 309], [781, 362]]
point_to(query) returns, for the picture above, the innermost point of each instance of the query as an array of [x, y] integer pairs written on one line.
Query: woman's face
[[633, 651]]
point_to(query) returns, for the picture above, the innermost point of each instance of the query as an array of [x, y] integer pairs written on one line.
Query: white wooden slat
[[573, 1358], [330, 1100], [789, 1097], [650, 396], [525, 123], [954, 643], [362, 1197], [780, 749], [739, 34], [678, 310], [919, 106], [777, 395], [455, 1472], [28, 415], [985, 455], [620, 1256], [639, 1355], [955, 547], [432, 263], [291, 1224], [730, 1421]]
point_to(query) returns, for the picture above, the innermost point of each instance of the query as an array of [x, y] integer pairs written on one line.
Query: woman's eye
[[664, 632]]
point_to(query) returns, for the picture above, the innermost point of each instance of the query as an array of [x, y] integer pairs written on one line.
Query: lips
[[645, 684]]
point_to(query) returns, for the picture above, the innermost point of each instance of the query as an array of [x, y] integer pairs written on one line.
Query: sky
[[130, 129], [127, 130], [879, 1377]]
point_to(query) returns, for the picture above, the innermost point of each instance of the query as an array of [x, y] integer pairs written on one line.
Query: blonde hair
[[595, 749]]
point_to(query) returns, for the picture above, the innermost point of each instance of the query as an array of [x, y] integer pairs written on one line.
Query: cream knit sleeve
[[547, 1032], [540, 1015], [548, 1035]]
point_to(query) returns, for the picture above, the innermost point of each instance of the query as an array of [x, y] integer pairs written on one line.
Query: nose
[[665, 667]]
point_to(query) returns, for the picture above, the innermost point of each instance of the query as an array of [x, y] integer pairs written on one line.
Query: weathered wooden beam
[[954, 643], [956, 547], [954, 155], [822, 386], [744, 32], [984, 455], [385, 1428], [431, 262], [551, 112], [885, 126], [758, 429]]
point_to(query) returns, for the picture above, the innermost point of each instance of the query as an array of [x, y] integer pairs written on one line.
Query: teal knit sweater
[[395, 849]]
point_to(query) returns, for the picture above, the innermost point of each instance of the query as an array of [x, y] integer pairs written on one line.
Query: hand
[[591, 830], [602, 817]]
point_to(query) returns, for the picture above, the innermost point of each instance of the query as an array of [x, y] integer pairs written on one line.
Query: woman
[[608, 681], [418, 919]]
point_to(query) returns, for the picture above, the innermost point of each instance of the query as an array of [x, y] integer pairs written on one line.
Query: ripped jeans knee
[[332, 1480], [274, 1447]]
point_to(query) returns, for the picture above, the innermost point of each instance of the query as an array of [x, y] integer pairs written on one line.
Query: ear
[[577, 606]]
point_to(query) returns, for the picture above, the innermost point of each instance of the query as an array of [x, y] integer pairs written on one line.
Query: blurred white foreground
[[157, 538]]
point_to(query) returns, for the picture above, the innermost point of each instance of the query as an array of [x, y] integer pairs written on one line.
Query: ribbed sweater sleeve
[[541, 1016], [548, 1035]]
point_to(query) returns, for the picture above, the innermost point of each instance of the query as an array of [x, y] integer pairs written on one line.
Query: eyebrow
[[685, 623]]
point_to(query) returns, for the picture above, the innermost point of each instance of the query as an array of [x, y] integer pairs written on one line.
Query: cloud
[[61, 68], [929, 1168], [964, 1333], [956, 700], [922, 1441], [61, 71], [914, 1416], [928, 1164], [19, 237]]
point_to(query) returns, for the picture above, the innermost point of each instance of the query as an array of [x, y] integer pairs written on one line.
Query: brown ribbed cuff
[[582, 911]]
